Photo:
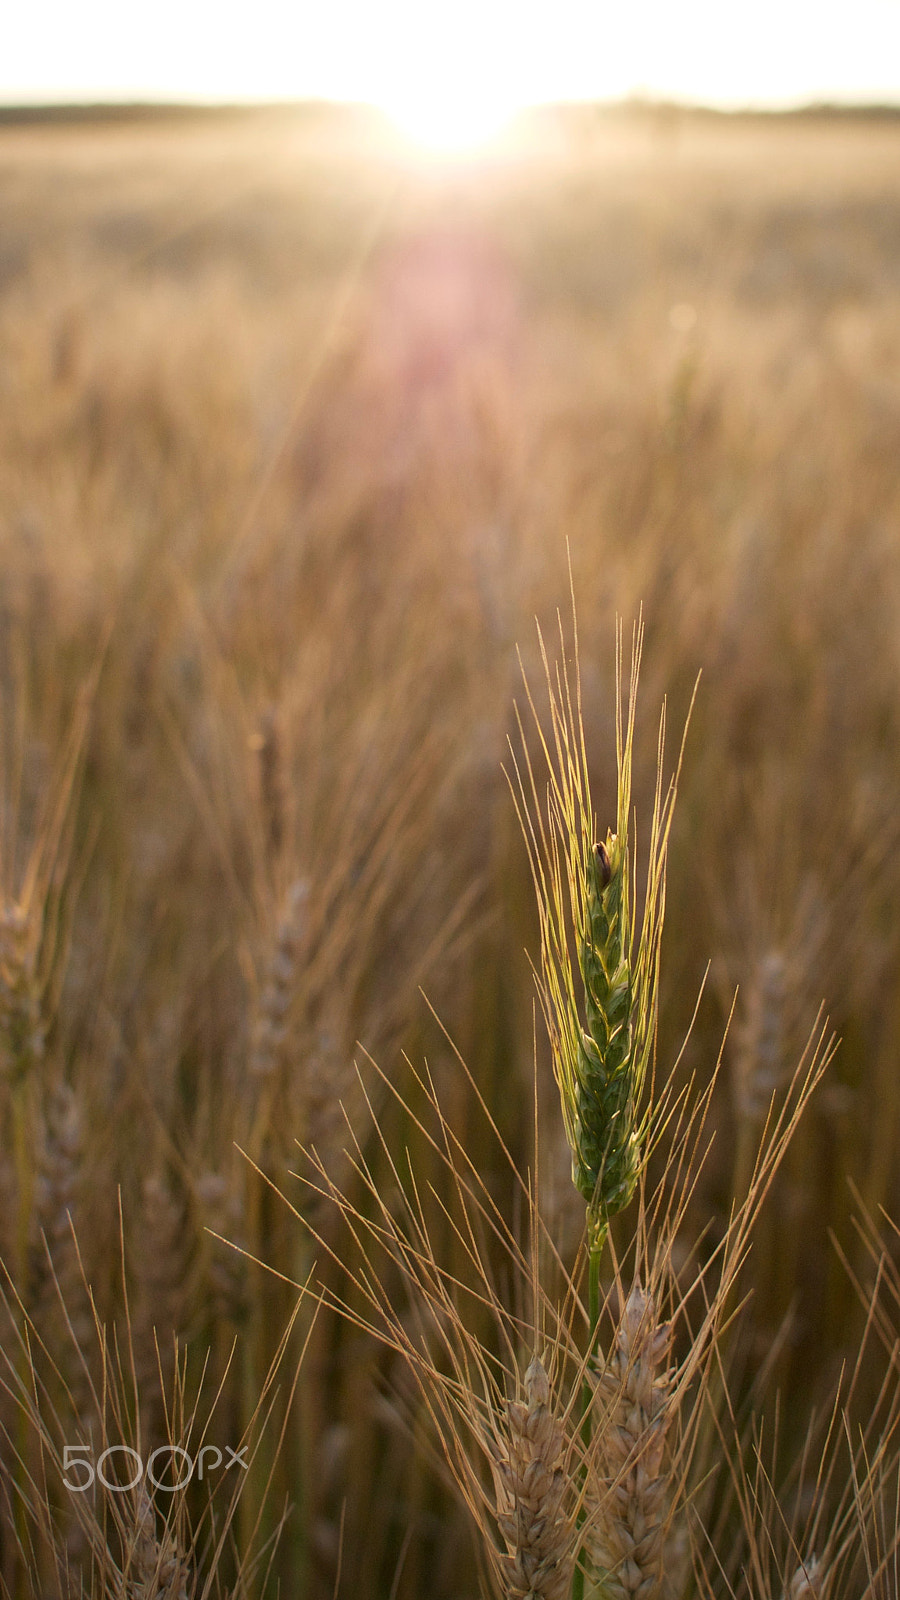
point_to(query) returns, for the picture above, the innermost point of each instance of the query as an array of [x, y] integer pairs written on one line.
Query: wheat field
[[302, 440]]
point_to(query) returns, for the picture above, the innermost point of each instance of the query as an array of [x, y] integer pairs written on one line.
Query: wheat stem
[[587, 1395]]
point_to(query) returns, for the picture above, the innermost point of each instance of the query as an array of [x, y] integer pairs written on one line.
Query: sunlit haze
[[451, 76]]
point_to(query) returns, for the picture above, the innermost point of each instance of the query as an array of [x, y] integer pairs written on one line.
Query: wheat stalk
[[586, 894], [588, 1491]]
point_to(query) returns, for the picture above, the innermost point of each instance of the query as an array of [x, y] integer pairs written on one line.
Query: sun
[[451, 79], [439, 123]]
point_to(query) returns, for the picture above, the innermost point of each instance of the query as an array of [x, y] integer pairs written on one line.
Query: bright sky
[[437, 56]]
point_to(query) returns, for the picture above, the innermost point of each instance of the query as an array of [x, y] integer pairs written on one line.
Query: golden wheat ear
[[630, 1526], [155, 1570], [532, 1488]]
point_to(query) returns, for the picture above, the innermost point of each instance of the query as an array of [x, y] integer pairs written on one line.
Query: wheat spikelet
[[268, 745], [629, 1528], [60, 1303], [21, 1021], [809, 1582], [271, 1032], [771, 955], [224, 1269], [155, 1569], [327, 1094], [57, 1186], [159, 1254], [760, 1056], [531, 1488]]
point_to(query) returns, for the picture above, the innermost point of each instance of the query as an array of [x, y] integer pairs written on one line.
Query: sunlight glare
[[441, 124], [455, 87]]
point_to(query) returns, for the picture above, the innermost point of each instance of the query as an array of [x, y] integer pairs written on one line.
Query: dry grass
[[293, 438]]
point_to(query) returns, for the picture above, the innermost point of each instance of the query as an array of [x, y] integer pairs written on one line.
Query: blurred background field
[[297, 434]]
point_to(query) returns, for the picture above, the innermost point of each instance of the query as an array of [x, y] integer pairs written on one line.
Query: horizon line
[[104, 107]]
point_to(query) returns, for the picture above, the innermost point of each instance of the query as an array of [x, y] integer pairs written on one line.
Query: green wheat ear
[[605, 1078], [601, 1006]]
